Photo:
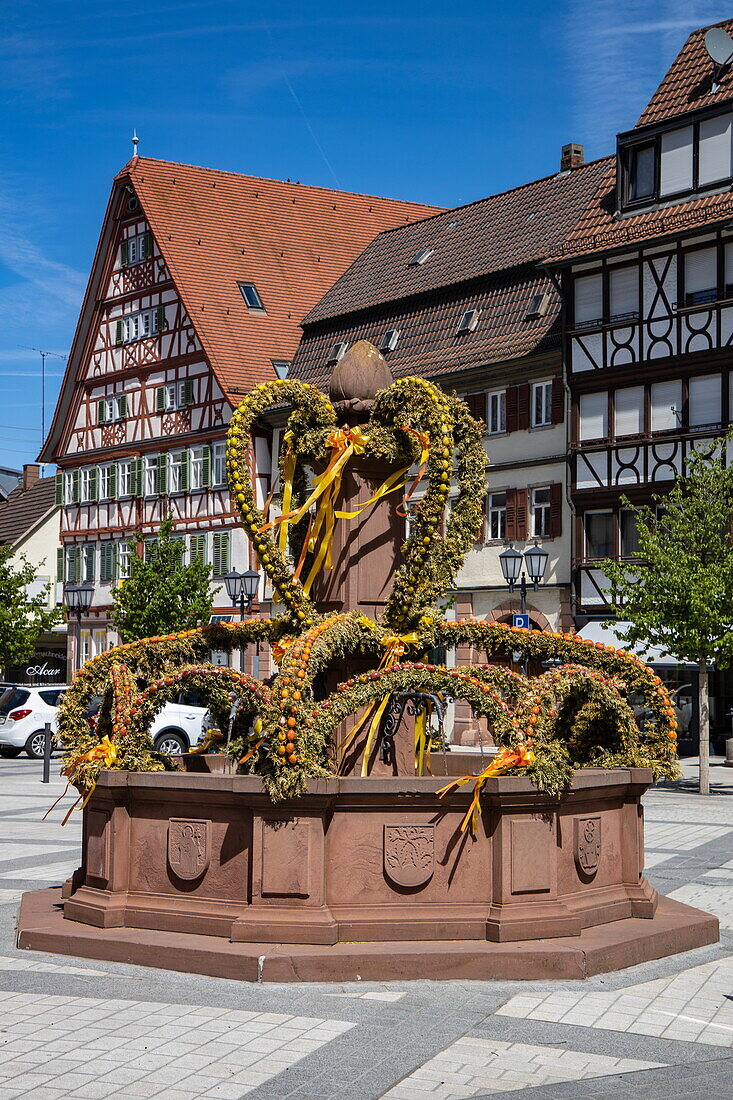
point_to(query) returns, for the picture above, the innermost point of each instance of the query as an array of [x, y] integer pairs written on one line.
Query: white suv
[[177, 726], [24, 712]]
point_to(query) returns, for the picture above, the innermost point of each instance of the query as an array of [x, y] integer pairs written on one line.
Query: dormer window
[[675, 163], [468, 321], [389, 340]]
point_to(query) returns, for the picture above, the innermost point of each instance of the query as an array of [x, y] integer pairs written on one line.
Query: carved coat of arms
[[409, 853], [189, 847], [588, 844]]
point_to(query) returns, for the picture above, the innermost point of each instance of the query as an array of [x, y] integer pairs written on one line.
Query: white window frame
[[196, 469], [135, 244], [123, 560], [104, 482], [140, 325], [175, 469], [541, 509], [496, 512], [68, 487], [546, 401], [124, 478], [218, 464], [150, 476], [496, 412]]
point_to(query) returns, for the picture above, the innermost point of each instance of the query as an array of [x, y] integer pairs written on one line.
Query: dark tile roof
[[24, 508], [687, 85], [485, 237], [428, 342]]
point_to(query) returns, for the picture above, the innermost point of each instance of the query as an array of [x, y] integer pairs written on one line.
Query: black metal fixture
[[513, 565], [242, 590], [77, 601]]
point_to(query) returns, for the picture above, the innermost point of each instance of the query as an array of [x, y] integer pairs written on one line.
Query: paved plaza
[[97, 1030]]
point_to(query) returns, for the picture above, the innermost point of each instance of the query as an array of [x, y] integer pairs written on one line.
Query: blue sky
[[441, 103]]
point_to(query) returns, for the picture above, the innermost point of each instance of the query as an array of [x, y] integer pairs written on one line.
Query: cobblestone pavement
[[97, 1030]]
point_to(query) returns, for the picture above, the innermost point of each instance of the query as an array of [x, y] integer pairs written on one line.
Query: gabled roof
[[686, 87], [24, 509], [216, 228], [503, 231], [8, 480], [688, 83]]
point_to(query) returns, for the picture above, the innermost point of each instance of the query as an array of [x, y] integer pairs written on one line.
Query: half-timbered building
[[196, 292], [648, 285]]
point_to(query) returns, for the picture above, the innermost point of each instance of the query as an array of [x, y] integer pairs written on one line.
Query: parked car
[[176, 727], [24, 712]]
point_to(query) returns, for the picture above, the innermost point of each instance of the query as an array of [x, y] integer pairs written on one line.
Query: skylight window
[[538, 306], [251, 297], [337, 351], [419, 259], [389, 341], [468, 321]]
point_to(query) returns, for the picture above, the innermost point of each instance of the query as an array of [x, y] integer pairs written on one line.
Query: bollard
[[729, 753], [46, 753]]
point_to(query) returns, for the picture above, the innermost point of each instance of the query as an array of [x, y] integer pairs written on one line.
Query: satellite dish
[[719, 45]]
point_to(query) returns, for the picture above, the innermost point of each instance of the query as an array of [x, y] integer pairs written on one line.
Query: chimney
[[31, 474], [572, 156]]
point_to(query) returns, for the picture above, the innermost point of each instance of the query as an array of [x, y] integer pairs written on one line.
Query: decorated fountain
[[333, 834]]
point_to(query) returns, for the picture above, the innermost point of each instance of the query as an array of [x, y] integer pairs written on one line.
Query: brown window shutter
[[556, 510], [523, 406], [510, 523], [522, 513], [511, 409], [558, 401], [477, 405]]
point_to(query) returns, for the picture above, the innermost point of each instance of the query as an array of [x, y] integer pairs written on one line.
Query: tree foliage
[[162, 594], [681, 597], [22, 617]]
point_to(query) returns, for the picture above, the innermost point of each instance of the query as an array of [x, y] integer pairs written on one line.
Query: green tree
[[162, 594], [22, 617], [680, 597]]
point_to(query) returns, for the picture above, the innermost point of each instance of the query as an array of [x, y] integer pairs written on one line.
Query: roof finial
[[135, 140]]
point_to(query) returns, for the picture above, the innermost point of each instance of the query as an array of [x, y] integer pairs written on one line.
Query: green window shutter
[[147, 245], [120, 332], [89, 563], [160, 318], [73, 564], [59, 487], [198, 549], [221, 553], [101, 411], [188, 393], [160, 398], [206, 471], [162, 474], [122, 402], [60, 565], [185, 471], [124, 254], [107, 558], [75, 487], [136, 477], [94, 483], [113, 481]]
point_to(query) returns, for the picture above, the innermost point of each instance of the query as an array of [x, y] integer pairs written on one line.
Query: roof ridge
[[136, 161], [495, 195]]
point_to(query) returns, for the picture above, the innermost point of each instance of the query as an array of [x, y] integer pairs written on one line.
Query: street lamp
[[534, 560], [78, 600], [242, 590]]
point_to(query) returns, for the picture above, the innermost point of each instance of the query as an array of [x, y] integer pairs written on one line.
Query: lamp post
[[242, 590], [513, 564], [77, 601]]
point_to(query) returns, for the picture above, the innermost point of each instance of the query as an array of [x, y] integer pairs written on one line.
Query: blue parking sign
[[521, 620]]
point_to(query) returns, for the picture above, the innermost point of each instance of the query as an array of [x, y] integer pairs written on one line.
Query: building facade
[[648, 287], [195, 294]]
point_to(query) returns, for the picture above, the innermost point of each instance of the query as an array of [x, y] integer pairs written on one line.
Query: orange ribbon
[[520, 757]]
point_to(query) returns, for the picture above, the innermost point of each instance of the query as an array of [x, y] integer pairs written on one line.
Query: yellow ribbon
[[520, 757], [288, 478], [104, 752]]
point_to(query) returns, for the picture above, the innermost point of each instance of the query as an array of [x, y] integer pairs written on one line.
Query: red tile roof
[[292, 241], [491, 235], [687, 85]]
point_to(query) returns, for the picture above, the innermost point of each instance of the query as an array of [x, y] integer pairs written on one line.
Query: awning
[[604, 631]]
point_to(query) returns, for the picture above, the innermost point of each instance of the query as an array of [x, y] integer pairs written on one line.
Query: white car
[[177, 726], [24, 712]]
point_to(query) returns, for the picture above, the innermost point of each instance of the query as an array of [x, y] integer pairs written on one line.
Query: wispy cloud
[[618, 51]]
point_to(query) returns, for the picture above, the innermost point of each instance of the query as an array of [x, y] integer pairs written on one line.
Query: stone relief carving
[[409, 853], [189, 847], [588, 844]]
